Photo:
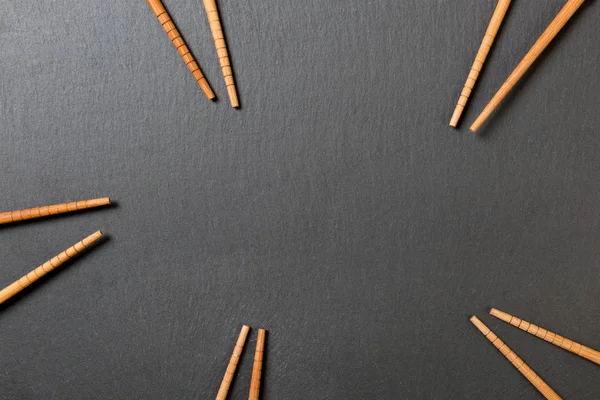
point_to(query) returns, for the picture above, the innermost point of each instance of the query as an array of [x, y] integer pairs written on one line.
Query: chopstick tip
[[455, 118]]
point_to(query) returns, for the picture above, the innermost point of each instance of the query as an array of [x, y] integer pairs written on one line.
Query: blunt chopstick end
[[233, 96], [456, 116]]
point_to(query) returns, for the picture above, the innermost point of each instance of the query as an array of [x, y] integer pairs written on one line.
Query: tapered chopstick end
[[208, 92], [233, 98], [501, 315], [456, 116]]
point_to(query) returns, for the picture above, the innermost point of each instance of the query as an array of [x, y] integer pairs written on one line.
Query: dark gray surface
[[336, 209]]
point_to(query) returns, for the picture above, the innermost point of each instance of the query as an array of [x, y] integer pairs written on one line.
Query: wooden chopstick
[[165, 20], [38, 212], [257, 367], [48, 266], [519, 364], [549, 34], [484, 49], [550, 337], [217, 32], [233, 363]]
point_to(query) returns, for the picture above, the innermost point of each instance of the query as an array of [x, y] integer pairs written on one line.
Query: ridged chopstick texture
[[549, 34], [257, 367], [484, 49], [219, 38], [516, 361], [165, 20], [233, 363], [48, 266], [39, 212], [548, 336]]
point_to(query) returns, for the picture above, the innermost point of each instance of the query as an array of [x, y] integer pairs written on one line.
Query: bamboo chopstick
[[37, 212], [257, 367], [550, 337], [486, 45], [165, 20], [233, 363], [217, 32], [549, 34], [519, 364], [48, 266]]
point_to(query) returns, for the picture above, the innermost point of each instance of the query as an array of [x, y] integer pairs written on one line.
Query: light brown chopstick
[[550, 337], [484, 49], [48, 266], [518, 363], [233, 363], [38, 212], [217, 32], [257, 367], [549, 34], [165, 20]]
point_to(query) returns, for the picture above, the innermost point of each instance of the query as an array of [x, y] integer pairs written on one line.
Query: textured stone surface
[[336, 209]]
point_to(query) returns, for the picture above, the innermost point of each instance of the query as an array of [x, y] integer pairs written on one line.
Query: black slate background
[[336, 209]]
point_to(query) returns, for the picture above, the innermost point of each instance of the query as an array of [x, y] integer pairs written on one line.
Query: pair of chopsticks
[[235, 358], [550, 337], [217, 32], [540, 45], [60, 259]]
